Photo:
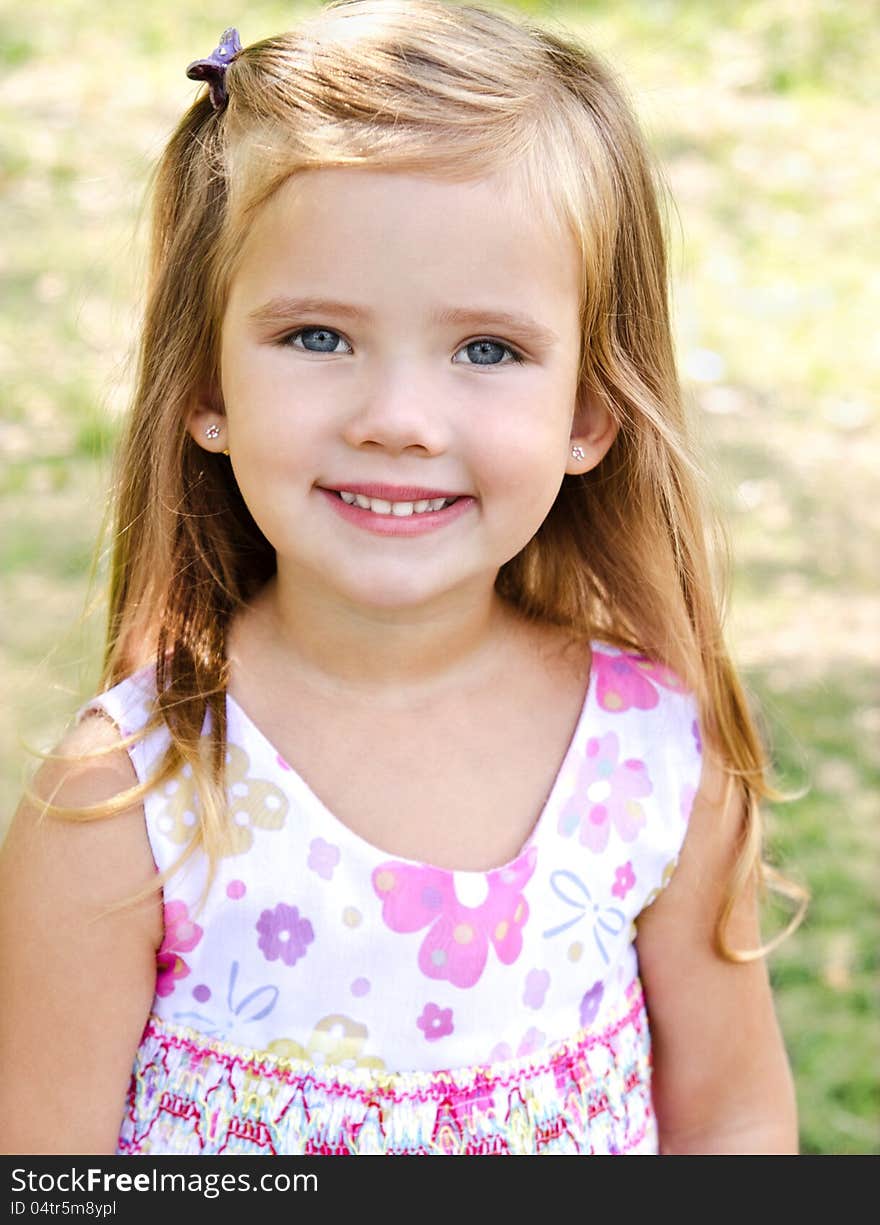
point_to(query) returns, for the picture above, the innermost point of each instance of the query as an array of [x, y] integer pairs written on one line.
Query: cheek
[[264, 495], [269, 420], [525, 450]]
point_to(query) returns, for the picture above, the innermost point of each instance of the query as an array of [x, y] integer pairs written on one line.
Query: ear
[[593, 429], [206, 422]]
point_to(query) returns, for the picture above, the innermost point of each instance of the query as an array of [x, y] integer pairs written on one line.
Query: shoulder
[[676, 932], [720, 1066], [93, 864], [79, 967]]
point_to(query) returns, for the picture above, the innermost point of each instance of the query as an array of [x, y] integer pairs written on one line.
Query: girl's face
[[365, 344]]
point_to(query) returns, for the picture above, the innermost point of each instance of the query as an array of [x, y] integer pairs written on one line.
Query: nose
[[399, 411]]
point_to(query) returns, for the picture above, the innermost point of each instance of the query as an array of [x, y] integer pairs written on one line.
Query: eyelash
[[516, 356]]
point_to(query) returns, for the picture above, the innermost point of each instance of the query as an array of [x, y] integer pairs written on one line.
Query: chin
[[393, 598], [395, 592]]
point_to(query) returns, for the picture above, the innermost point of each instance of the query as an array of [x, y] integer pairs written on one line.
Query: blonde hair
[[627, 551]]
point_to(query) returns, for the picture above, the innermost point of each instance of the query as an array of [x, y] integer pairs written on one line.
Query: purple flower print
[[435, 1022], [590, 1004], [323, 857], [624, 879], [537, 982], [698, 740], [607, 792], [284, 934]]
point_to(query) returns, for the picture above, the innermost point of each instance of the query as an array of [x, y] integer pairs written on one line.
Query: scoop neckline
[[291, 774]]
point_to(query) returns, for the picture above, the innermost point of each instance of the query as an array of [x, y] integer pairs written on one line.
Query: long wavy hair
[[630, 552]]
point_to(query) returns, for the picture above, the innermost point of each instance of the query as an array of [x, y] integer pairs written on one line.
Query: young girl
[[422, 816]]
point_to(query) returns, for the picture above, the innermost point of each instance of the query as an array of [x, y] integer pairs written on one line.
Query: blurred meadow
[[761, 115]]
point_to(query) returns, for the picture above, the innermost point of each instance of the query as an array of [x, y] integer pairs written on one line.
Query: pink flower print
[[606, 792], [625, 680], [537, 982], [435, 1022], [532, 1041], [181, 936], [624, 879], [590, 1004], [456, 946], [323, 857], [688, 794], [284, 934]]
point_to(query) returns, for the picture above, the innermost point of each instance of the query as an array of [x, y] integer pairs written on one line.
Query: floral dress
[[332, 998]]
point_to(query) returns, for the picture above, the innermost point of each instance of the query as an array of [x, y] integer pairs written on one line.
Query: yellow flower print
[[667, 877], [253, 803], [336, 1039], [286, 1048]]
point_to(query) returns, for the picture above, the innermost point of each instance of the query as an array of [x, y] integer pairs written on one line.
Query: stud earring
[[578, 452], [213, 431]]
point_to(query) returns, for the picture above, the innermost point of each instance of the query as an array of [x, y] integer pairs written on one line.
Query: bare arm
[[77, 989], [722, 1082]]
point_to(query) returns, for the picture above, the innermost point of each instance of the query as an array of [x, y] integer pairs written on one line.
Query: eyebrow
[[283, 307]]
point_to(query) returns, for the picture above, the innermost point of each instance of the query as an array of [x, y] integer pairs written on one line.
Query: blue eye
[[484, 349], [324, 340]]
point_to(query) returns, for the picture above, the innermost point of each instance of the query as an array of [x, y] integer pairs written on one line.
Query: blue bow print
[[609, 918]]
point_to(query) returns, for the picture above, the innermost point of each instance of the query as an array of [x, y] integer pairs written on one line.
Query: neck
[[390, 656]]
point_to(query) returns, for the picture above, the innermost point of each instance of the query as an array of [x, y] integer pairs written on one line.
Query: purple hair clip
[[213, 69]]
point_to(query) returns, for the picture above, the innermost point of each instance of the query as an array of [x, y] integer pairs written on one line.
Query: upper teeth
[[381, 507]]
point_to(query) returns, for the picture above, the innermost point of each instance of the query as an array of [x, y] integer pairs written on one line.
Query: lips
[[412, 524], [395, 493]]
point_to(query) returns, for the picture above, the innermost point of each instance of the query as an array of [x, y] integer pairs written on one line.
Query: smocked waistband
[[589, 1093]]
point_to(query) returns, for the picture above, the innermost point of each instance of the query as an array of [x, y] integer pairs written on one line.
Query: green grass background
[[762, 115]]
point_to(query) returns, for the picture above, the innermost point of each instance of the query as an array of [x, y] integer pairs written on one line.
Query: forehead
[[354, 231]]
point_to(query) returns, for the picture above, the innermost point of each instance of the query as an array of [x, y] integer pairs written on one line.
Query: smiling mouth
[[401, 510]]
